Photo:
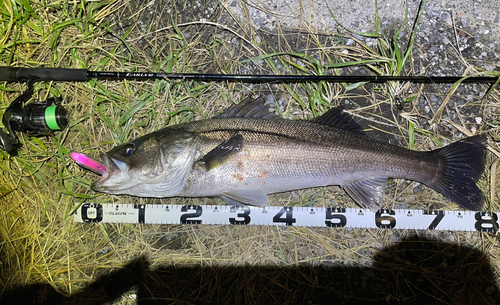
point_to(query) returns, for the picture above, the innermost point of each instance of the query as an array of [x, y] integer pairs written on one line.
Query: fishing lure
[[88, 163]]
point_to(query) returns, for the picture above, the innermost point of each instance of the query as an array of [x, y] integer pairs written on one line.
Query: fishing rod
[[43, 118], [60, 74]]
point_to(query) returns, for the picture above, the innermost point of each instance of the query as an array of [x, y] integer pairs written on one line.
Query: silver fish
[[249, 152]]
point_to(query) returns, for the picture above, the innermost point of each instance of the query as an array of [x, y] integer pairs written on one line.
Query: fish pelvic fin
[[367, 193], [241, 198], [463, 166]]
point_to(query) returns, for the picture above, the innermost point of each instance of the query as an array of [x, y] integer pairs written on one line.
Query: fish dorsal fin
[[216, 156], [337, 118], [241, 198], [249, 108], [368, 193]]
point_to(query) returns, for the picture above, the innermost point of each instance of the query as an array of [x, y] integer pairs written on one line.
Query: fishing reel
[[35, 119]]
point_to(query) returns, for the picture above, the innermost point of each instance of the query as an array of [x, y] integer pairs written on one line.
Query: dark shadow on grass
[[413, 271]]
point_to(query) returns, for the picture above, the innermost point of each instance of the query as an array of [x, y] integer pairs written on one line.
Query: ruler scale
[[288, 216]]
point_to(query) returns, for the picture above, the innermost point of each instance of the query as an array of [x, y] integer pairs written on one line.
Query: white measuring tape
[[287, 216]]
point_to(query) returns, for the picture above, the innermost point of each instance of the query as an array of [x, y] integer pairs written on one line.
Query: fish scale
[[293, 156]]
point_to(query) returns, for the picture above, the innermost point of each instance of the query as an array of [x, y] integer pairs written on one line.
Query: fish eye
[[128, 150]]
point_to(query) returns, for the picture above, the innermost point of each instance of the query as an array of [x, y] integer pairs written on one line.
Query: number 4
[[288, 219]]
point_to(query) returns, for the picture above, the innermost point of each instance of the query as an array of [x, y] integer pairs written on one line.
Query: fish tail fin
[[464, 165]]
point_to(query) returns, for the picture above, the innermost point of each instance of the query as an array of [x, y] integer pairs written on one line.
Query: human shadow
[[413, 271]]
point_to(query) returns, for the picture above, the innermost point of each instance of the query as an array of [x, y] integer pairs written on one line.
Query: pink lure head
[[88, 163]]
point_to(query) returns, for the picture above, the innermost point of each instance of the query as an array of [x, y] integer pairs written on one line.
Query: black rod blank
[[288, 78], [61, 74]]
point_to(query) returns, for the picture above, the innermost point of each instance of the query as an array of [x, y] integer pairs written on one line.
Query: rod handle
[[13, 74]]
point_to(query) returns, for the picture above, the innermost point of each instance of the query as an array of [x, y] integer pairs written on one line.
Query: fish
[[248, 152]]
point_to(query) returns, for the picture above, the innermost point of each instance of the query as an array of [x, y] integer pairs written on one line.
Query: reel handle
[[13, 74]]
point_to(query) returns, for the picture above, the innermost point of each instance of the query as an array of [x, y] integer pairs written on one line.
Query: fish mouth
[[116, 179], [110, 164]]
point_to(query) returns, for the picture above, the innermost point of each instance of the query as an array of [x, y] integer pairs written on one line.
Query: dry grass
[[38, 190]]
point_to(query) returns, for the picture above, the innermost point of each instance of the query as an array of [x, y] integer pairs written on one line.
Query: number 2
[[197, 213]]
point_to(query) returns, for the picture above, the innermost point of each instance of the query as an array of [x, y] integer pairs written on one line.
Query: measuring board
[[287, 216]]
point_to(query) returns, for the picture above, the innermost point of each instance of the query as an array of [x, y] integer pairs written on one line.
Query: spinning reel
[[35, 119]]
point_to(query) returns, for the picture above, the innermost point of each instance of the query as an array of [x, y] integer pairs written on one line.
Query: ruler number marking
[[141, 217], [485, 222], [288, 219], [185, 217], [384, 220], [335, 220], [435, 222], [245, 212]]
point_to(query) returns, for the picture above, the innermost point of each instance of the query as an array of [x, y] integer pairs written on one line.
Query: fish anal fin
[[367, 193], [245, 197], [216, 156], [337, 118]]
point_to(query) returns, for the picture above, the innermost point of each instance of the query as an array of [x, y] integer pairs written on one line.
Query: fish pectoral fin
[[245, 197], [216, 156], [368, 193]]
